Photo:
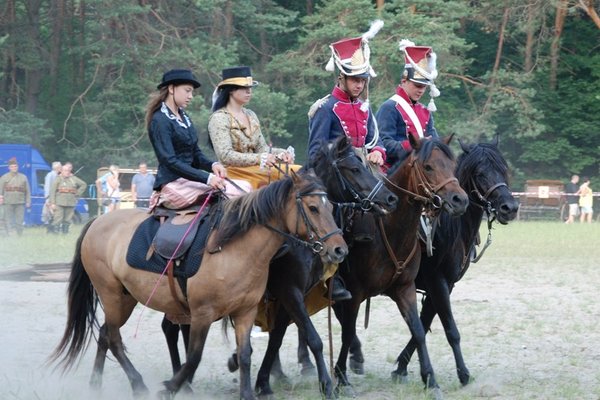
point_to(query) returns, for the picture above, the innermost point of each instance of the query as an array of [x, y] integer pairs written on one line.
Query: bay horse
[[482, 171], [423, 180], [352, 188], [230, 282]]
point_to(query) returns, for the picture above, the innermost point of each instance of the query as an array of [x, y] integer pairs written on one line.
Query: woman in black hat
[[235, 132], [184, 172]]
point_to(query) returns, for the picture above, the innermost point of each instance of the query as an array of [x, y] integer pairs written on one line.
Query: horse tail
[[226, 322], [82, 303]]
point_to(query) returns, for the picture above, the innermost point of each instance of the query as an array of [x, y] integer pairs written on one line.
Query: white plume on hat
[[430, 75]]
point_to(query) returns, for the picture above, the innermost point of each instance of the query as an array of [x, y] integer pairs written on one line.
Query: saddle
[[170, 235], [176, 232]]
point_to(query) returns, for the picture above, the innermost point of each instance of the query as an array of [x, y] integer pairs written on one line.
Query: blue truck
[[33, 165]]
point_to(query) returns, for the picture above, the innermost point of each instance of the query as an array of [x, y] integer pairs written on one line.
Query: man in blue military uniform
[[344, 113], [402, 114]]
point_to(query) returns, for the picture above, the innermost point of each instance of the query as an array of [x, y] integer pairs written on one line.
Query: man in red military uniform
[[344, 113], [402, 114]]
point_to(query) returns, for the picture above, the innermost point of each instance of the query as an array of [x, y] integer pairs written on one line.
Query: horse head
[[483, 172], [309, 215], [348, 179], [431, 166]]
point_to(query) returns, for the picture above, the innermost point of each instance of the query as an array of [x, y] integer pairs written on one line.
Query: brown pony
[[230, 283], [423, 181]]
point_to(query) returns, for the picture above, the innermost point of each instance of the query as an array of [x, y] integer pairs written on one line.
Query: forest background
[[76, 74]]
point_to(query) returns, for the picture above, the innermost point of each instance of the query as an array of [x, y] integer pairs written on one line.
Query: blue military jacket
[[337, 115]]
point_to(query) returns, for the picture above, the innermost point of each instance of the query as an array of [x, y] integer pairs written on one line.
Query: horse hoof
[[399, 377], [345, 390], [186, 388], [165, 394], [464, 378], [308, 371], [264, 393], [283, 380], [140, 391], [357, 367], [436, 393], [232, 364]]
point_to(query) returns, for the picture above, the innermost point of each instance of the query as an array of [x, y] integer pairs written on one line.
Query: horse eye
[[428, 168], [314, 209]]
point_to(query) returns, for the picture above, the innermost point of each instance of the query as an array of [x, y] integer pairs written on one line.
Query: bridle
[[432, 201], [363, 203], [483, 202], [314, 242]]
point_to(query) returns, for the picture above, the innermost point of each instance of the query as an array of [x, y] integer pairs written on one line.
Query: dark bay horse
[[423, 180], [230, 283], [483, 173], [353, 188]]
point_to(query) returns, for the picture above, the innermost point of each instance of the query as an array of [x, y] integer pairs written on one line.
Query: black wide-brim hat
[[237, 76], [179, 77]]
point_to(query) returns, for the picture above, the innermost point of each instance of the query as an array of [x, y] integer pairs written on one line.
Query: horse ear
[[495, 141], [463, 146], [448, 139], [295, 177], [414, 142]]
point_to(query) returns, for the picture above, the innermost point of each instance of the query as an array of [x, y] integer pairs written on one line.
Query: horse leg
[[294, 304], [98, 370], [346, 313], [427, 315], [405, 297], [308, 368], [357, 359], [440, 297], [197, 339], [171, 332], [115, 344], [263, 387], [243, 326]]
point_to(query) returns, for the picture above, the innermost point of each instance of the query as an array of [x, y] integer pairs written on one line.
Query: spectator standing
[[48, 181], [586, 201], [141, 186], [15, 196], [113, 187], [65, 191], [572, 198]]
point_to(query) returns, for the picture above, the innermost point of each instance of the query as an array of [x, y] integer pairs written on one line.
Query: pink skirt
[[182, 193]]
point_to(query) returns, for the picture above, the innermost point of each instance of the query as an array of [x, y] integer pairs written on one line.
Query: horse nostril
[[341, 252], [392, 200]]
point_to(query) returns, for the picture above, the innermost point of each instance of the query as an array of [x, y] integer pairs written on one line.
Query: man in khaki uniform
[[15, 196], [64, 192]]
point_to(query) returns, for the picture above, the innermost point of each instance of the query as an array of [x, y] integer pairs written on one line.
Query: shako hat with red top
[[352, 55], [420, 67]]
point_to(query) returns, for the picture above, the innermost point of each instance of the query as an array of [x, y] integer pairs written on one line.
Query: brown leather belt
[[67, 191]]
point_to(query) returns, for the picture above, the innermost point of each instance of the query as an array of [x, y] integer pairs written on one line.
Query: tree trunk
[[498, 57], [559, 23], [58, 17], [309, 7], [532, 12], [590, 10]]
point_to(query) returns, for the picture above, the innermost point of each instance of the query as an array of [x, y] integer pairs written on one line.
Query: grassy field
[[528, 315]]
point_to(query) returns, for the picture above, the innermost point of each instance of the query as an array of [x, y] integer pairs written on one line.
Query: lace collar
[[186, 123]]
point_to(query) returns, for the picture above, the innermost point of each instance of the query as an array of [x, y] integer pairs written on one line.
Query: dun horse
[[482, 172], [423, 180], [230, 282]]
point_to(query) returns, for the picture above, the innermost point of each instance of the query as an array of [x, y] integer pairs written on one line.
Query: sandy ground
[[531, 335]]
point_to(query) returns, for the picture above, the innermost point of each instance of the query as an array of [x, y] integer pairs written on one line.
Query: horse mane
[[423, 152], [473, 157], [257, 208]]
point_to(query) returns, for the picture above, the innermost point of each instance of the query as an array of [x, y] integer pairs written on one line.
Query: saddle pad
[[185, 267]]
